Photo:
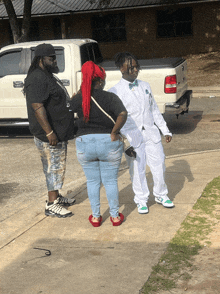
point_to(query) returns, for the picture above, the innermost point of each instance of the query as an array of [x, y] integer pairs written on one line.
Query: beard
[[51, 68]]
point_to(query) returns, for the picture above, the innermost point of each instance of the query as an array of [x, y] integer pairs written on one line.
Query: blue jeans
[[100, 159], [54, 163]]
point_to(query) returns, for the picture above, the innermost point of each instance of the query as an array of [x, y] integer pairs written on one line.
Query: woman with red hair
[[98, 144]]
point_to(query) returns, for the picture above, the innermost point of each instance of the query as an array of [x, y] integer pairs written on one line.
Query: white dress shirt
[[143, 113]]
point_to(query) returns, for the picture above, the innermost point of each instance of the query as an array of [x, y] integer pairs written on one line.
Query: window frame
[[174, 23], [111, 21], [21, 64]]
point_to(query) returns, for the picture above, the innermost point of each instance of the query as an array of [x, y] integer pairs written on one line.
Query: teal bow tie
[[134, 84]]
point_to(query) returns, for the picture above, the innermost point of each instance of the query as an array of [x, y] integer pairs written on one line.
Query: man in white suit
[[142, 131]]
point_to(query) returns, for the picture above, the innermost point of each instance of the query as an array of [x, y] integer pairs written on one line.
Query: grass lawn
[[176, 264]]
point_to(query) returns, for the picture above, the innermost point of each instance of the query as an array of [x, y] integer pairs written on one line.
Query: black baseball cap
[[45, 50]]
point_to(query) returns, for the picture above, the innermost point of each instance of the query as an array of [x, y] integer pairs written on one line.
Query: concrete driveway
[[106, 260]]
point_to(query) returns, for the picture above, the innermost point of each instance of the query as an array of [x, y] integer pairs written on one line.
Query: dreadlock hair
[[121, 57], [33, 66]]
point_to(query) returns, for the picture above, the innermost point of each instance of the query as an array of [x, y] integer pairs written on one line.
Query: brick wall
[[142, 40]]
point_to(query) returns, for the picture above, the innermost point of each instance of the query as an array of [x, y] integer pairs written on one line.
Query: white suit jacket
[[143, 112]]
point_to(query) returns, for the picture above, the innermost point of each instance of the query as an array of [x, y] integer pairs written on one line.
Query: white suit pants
[[151, 154]]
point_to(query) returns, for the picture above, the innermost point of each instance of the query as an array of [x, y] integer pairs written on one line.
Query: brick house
[[147, 28]]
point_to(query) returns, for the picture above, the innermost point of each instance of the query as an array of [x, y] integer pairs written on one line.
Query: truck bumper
[[14, 123], [181, 106]]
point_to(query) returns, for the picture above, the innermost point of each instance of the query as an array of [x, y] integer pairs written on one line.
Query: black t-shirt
[[98, 121], [43, 87]]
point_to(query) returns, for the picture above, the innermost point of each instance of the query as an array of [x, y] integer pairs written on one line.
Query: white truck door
[[12, 75]]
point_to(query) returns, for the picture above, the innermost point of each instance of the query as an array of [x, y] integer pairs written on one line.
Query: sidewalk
[[209, 92], [100, 260]]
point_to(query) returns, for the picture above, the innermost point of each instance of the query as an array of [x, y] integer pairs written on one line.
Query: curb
[[205, 92]]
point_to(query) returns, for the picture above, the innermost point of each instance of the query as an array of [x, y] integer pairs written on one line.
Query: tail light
[[170, 84]]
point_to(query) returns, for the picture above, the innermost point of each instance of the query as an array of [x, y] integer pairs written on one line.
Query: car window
[[91, 52], [59, 57], [10, 63]]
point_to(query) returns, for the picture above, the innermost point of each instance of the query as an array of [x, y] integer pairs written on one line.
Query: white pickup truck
[[167, 77]]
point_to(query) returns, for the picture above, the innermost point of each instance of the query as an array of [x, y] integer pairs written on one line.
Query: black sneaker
[[57, 210], [65, 201]]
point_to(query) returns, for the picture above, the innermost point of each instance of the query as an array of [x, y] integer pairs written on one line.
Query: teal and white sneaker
[[165, 201], [142, 208]]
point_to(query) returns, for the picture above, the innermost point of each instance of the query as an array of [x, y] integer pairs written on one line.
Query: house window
[[109, 28], [57, 28], [174, 22]]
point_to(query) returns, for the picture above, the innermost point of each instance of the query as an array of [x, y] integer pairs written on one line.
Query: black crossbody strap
[[109, 116], [63, 87], [122, 138]]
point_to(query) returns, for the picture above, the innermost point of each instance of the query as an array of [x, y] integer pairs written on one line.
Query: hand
[[168, 138], [115, 137], [130, 152], [52, 139]]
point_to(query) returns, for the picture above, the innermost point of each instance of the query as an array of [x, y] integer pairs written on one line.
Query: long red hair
[[90, 71]]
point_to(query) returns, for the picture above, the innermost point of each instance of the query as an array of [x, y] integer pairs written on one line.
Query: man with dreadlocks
[[142, 131], [51, 123]]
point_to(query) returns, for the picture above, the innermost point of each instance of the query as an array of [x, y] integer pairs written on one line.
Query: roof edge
[[113, 9]]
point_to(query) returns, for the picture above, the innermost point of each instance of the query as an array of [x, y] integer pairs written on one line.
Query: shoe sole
[[164, 205], [116, 224], [143, 212], [58, 215], [95, 224]]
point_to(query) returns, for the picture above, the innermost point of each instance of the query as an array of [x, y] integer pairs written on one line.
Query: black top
[[98, 122], [43, 87]]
